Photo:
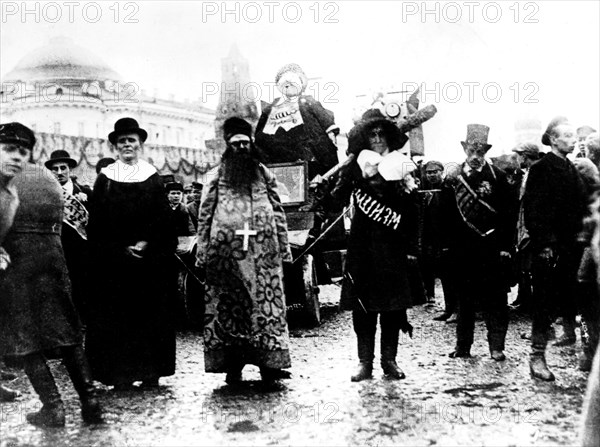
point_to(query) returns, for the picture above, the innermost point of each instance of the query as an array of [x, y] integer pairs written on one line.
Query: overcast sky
[[481, 62]]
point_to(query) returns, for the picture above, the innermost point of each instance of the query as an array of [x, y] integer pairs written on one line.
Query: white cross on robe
[[246, 232]]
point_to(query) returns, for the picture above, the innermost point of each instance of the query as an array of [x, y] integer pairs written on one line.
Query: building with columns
[[71, 99]]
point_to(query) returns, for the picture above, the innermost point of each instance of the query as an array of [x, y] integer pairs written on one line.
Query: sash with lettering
[[479, 215], [75, 214], [375, 210]]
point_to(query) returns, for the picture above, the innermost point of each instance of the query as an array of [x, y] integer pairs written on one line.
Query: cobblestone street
[[442, 401]]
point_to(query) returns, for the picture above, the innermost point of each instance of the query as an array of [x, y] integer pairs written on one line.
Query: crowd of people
[[99, 264]]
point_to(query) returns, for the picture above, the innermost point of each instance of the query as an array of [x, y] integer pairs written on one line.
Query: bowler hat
[[127, 125], [17, 133], [235, 126], [60, 156], [477, 135]]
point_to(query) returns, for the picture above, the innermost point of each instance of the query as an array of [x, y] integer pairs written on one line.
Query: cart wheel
[[311, 291]]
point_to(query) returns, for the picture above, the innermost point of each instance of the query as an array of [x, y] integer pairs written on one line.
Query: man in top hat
[[478, 235], [75, 219], [554, 206], [181, 218], [526, 155], [242, 243]]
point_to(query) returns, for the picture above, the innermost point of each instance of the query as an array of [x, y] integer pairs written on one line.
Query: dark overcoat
[[554, 203], [377, 271], [130, 333], [36, 311]]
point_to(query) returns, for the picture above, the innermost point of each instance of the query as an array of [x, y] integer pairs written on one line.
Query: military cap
[[17, 133]]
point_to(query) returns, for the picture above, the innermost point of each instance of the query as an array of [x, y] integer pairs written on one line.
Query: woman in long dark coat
[[37, 317], [131, 335], [382, 238]]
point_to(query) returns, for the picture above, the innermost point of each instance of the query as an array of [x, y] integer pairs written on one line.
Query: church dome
[[61, 59]]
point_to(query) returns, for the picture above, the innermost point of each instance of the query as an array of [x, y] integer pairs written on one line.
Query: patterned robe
[[245, 317]]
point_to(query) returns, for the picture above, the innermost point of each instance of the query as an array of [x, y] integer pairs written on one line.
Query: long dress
[[245, 317], [130, 334], [36, 311]]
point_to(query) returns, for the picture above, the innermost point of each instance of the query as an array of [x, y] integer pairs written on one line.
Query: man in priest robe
[[242, 245]]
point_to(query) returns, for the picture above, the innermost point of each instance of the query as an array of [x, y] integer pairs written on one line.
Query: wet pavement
[[442, 401]]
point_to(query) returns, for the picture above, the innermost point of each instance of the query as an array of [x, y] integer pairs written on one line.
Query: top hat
[[235, 126], [60, 156], [127, 125], [477, 135], [17, 133]]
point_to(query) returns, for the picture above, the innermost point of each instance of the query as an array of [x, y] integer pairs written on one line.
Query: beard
[[240, 169]]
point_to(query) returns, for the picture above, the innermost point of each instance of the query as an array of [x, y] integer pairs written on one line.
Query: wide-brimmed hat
[[17, 133], [358, 137], [61, 156], [477, 135], [127, 125]]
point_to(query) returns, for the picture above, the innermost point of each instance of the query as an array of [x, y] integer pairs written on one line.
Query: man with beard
[[75, 219], [242, 243], [554, 206]]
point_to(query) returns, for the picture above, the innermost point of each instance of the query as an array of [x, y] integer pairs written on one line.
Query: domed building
[[71, 98]]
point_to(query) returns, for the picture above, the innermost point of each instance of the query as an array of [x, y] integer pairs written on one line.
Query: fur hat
[[358, 137], [234, 126], [557, 121]]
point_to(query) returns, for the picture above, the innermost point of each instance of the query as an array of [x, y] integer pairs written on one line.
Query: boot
[[538, 367], [81, 376], [366, 352], [568, 337], [389, 350], [8, 395], [52, 413]]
